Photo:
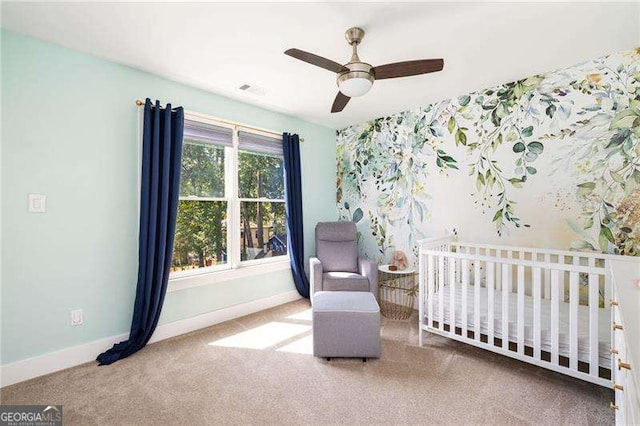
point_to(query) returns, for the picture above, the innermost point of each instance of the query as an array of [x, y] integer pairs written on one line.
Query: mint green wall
[[69, 132]]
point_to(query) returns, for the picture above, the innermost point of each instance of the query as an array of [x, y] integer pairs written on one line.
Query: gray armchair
[[337, 266]]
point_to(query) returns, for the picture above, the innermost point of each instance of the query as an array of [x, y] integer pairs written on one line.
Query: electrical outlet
[[76, 317], [37, 203]]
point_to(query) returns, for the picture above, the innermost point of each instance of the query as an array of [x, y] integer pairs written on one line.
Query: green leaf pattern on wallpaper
[[589, 114]]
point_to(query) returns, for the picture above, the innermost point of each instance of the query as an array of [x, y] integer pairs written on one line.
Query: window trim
[[221, 276], [235, 267], [194, 272]]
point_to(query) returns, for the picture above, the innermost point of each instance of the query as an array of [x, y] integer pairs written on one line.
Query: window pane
[[263, 230], [202, 173], [260, 176], [201, 235]]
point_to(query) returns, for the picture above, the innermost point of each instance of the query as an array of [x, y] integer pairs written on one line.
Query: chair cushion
[[336, 231], [344, 281], [348, 301], [337, 247], [337, 256]]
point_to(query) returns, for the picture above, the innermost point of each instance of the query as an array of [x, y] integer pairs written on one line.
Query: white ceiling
[[219, 46]]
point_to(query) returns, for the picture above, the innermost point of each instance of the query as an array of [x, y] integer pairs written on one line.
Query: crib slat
[[441, 293], [593, 320], [452, 295], [607, 283], [476, 300], [574, 297], [512, 286], [547, 277], [521, 309], [430, 290], [491, 282], [421, 294], [607, 286], [537, 290], [458, 264], [555, 316], [498, 272], [563, 261], [465, 289], [608, 295], [506, 289]]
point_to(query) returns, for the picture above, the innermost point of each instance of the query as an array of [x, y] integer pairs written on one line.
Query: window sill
[[214, 277]]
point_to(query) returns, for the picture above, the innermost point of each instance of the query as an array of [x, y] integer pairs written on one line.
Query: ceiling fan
[[355, 78]]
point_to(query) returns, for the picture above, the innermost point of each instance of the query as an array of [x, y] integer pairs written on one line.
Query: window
[[261, 191], [231, 210]]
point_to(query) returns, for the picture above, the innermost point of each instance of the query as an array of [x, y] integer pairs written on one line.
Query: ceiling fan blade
[[316, 60], [408, 68], [340, 102]]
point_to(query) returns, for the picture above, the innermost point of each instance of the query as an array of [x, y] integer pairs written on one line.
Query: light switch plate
[[76, 317], [37, 203]]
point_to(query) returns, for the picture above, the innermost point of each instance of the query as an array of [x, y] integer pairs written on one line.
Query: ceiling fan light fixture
[[357, 81], [355, 85]]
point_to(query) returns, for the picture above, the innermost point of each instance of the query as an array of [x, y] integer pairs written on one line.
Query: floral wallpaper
[[552, 160]]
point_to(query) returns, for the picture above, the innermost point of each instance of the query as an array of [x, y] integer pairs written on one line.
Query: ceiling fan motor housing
[[356, 70], [359, 79]]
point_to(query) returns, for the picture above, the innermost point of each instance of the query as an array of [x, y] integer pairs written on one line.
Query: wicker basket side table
[[397, 292]]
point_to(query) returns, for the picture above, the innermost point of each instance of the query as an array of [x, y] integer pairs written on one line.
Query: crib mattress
[[604, 322]]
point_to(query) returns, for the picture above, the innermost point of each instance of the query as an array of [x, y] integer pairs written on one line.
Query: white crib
[[545, 307]]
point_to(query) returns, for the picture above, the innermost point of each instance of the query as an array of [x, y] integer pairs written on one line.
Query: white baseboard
[[26, 369]]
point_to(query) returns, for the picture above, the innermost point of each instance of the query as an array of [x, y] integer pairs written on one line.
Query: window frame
[[234, 267]]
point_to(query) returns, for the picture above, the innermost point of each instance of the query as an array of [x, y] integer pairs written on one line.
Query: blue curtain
[[161, 154], [293, 197]]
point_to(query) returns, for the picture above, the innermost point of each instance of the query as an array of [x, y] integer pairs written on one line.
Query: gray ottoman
[[346, 324]]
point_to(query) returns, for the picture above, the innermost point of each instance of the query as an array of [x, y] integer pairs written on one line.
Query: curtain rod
[[140, 102]]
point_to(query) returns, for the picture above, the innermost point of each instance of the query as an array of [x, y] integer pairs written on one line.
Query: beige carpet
[[258, 369]]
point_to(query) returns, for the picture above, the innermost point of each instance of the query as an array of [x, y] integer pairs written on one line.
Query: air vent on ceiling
[[253, 89]]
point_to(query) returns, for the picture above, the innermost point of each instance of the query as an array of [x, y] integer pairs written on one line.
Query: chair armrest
[[369, 269], [315, 275]]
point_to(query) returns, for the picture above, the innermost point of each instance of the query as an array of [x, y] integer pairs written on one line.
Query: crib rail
[[545, 307]]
